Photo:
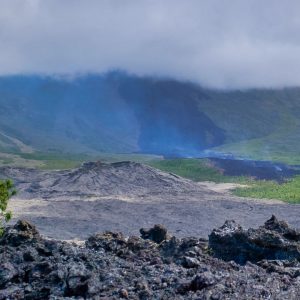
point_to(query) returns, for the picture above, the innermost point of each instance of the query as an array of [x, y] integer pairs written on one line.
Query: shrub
[[6, 192]]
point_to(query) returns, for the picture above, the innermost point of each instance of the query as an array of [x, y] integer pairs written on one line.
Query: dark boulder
[[157, 234], [21, 233], [108, 241], [283, 228], [272, 241], [202, 281], [199, 282], [77, 280], [7, 273]]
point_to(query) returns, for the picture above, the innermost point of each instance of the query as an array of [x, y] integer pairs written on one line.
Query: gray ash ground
[[111, 266], [73, 204]]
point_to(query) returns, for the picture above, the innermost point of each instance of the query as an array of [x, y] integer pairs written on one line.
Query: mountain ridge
[[121, 113]]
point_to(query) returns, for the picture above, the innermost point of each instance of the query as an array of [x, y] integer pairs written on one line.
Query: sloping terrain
[[96, 179], [123, 196], [111, 113], [121, 113]]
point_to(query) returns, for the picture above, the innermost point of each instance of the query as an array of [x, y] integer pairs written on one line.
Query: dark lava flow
[[257, 169]]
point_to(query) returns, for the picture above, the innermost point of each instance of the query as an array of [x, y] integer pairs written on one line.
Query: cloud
[[217, 43]]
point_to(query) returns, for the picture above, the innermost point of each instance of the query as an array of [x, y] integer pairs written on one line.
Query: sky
[[216, 43]]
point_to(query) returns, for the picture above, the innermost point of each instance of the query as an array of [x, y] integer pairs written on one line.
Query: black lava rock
[[157, 234], [274, 240], [111, 266]]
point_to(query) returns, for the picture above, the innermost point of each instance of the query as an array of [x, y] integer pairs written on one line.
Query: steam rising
[[226, 44]]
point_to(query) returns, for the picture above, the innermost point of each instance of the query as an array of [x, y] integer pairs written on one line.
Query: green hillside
[[259, 124], [123, 114]]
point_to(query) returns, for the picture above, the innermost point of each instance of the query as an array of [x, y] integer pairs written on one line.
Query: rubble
[[272, 241], [112, 266]]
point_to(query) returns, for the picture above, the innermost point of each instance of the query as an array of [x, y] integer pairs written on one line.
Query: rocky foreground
[[234, 263]]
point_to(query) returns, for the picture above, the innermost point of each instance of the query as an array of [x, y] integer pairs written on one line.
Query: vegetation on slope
[[288, 191], [60, 161], [194, 169], [201, 170], [259, 124]]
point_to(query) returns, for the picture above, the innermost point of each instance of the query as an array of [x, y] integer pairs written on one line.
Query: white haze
[[224, 44]]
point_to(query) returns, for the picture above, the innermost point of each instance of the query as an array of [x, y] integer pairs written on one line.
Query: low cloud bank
[[223, 44]]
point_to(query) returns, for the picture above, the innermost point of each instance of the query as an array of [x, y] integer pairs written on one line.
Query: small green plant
[[7, 190]]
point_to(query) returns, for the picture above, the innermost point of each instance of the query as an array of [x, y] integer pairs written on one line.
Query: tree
[[6, 192]]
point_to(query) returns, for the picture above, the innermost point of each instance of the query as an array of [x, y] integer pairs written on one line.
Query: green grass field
[[200, 170], [289, 191], [194, 169]]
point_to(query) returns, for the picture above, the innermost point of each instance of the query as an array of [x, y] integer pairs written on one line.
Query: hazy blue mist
[[113, 112]]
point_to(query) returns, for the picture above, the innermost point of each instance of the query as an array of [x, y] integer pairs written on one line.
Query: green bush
[[6, 192]]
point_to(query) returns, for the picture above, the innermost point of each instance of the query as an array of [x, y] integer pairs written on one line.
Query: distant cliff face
[[114, 113], [169, 118], [117, 112]]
